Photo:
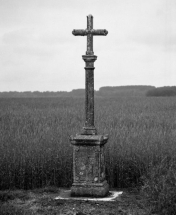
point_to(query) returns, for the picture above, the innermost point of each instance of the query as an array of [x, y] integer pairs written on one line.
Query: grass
[[160, 186], [35, 150]]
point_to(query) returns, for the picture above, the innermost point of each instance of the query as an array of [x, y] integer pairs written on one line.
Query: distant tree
[[129, 90], [29, 94], [162, 91], [77, 92]]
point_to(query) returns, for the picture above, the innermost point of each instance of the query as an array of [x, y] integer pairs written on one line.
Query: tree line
[[162, 91], [107, 91]]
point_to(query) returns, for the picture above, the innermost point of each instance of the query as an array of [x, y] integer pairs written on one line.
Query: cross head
[[90, 32]]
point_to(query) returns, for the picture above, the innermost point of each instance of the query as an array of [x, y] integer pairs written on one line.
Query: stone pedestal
[[89, 166]]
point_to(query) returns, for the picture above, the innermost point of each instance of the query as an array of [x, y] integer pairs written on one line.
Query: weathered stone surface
[[89, 96], [89, 140], [89, 59], [95, 190], [89, 166], [90, 32], [88, 147]]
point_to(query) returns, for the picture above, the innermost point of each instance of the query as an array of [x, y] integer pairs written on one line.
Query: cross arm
[[101, 32], [79, 32]]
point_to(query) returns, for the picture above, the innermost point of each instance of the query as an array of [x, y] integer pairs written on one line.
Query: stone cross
[[88, 147], [90, 32], [89, 59]]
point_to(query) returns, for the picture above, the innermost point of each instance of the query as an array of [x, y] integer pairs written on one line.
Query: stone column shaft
[[89, 94], [89, 101]]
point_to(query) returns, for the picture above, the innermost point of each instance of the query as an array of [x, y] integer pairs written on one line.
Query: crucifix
[[89, 58], [88, 147]]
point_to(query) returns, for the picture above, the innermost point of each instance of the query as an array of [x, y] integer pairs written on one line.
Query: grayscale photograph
[[88, 107]]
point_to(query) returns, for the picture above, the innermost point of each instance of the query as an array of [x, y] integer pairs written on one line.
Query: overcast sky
[[39, 52]]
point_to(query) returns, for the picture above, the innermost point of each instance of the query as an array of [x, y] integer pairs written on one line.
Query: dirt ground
[[42, 202]]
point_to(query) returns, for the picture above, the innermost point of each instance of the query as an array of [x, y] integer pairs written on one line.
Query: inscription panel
[[86, 164]]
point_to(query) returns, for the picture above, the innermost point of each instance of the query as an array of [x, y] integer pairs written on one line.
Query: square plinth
[[89, 166], [90, 189]]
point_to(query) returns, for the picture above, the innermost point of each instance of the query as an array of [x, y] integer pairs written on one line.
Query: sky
[[39, 52]]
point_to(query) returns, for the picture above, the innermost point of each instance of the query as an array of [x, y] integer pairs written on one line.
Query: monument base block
[[89, 166], [87, 190]]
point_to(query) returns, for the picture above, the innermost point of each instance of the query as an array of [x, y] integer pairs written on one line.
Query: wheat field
[[35, 150]]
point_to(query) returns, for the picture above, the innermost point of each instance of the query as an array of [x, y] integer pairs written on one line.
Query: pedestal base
[[89, 166], [90, 189]]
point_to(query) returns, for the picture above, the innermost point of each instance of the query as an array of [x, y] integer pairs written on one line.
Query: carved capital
[[89, 58]]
